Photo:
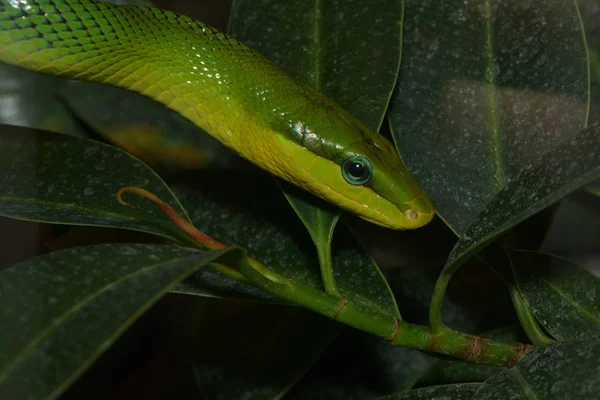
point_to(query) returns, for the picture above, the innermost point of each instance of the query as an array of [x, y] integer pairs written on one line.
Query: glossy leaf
[[340, 49], [277, 348], [253, 213], [348, 49], [59, 179], [61, 310], [320, 219], [484, 88], [564, 297], [570, 166], [462, 391], [562, 370], [145, 128], [207, 282], [30, 100]]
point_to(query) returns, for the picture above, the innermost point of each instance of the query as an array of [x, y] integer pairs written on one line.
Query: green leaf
[[253, 213], [483, 89], [564, 297], [563, 370], [30, 100], [336, 52], [463, 391], [320, 219], [61, 310], [59, 179], [145, 128], [348, 49], [277, 348], [569, 166]]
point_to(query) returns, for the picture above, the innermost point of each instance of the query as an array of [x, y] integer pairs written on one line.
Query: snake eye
[[357, 170]]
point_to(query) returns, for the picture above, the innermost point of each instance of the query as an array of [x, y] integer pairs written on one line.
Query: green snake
[[237, 95]]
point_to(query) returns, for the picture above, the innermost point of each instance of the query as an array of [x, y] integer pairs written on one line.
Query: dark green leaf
[[320, 218], [563, 370], [60, 179], [251, 212], [463, 391], [564, 297], [61, 310], [483, 89], [276, 349], [147, 129], [205, 283], [31, 100], [348, 49], [569, 166]]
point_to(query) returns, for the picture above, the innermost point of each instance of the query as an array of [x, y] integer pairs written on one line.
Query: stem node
[[343, 304], [392, 337]]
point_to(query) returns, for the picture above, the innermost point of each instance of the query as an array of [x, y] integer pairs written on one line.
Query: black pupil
[[356, 169]]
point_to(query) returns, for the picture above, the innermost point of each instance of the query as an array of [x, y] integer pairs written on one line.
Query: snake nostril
[[412, 214]]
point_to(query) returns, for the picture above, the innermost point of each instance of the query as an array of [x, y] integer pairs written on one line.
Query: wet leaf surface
[[564, 297], [63, 309], [59, 179], [557, 173], [484, 88], [564, 370]]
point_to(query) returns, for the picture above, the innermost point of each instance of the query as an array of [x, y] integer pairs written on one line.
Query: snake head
[[358, 169]]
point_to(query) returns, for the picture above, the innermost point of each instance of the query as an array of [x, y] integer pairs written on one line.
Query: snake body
[[226, 88]]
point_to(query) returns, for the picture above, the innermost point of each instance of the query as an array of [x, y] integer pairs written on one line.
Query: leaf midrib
[[524, 384], [585, 313], [491, 96]]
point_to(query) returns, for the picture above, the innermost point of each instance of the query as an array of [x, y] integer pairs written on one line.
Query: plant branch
[[442, 341]]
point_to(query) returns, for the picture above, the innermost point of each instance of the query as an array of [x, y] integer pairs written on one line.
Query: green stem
[[528, 322], [446, 341], [441, 340], [437, 300], [324, 253]]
